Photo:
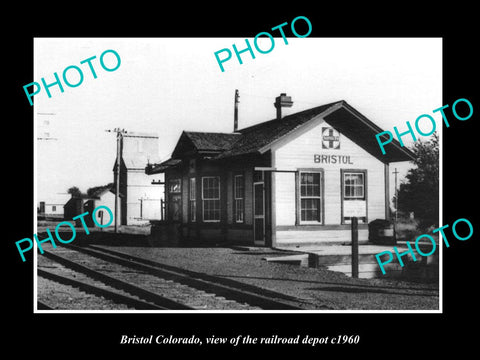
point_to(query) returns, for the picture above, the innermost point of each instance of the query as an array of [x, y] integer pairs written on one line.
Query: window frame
[[320, 197], [238, 198], [170, 181], [211, 199], [192, 200], [343, 173], [353, 197]]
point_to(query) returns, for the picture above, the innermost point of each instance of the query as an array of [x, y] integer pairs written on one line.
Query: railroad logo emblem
[[330, 138]]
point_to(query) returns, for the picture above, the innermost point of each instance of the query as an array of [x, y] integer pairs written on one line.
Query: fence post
[[354, 247], [101, 219]]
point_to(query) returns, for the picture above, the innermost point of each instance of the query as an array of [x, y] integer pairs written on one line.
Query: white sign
[[354, 208], [330, 138]]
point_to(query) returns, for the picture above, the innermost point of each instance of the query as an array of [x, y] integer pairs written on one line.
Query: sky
[[167, 85]]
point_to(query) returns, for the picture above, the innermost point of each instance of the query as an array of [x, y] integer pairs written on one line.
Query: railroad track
[[115, 282], [182, 287], [98, 291], [42, 306]]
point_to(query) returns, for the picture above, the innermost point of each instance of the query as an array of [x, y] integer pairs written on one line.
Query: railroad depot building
[[294, 180]]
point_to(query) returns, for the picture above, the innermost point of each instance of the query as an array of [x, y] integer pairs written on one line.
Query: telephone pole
[[396, 196], [120, 133], [235, 114]]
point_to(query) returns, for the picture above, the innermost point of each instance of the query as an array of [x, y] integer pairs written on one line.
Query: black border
[[63, 335]]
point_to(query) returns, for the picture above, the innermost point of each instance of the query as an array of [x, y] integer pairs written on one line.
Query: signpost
[[355, 208], [354, 247]]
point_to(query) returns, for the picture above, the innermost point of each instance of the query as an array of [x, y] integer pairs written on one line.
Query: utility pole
[[235, 114], [396, 200], [120, 133], [396, 207]]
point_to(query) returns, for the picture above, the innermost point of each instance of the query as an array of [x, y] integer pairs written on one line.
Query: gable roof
[[203, 143], [261, 137], [351, 123], [161, 167], [340, 115], [256, 137]]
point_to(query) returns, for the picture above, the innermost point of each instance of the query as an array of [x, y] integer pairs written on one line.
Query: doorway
[[259, 208]]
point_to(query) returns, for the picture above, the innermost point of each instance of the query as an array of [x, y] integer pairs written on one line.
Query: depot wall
[[299, 154]]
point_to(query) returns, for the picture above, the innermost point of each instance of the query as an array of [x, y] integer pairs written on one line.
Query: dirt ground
[[314, 286]]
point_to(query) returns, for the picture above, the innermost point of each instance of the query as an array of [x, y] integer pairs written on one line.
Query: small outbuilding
[[98, 196], [294, 180], [101, 196]]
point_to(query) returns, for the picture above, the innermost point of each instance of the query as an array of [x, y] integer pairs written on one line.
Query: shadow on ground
[[124, 240]]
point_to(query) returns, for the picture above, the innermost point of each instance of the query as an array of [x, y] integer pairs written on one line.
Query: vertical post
[[396, 205], [117, 185], [100, 214], [224, 180], [235, 114], [396, 196], [354, 247], [388, 214], [120, 133], [161, 209]]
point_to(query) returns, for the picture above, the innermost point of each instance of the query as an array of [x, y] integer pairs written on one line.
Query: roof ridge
[[259, 135], [210, 132], [325, 106]]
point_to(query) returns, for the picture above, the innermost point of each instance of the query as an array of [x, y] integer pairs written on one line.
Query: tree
[[74, 191], [420, 193], [93, 190]]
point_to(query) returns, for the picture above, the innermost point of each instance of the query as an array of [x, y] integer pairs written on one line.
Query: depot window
[[211, 198], [238, 191], [310, 204], [192, 200], [354, 195], [175, 186], [354, 185]]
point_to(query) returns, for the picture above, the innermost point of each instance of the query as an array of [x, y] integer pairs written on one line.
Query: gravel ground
[[314, 286], [64, 297]]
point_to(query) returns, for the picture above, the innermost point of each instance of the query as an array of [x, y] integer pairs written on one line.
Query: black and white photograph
[[262, 187], [289, 181]]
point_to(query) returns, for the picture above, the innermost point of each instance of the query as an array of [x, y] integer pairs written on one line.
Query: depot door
[[175, 207], [259, 210]]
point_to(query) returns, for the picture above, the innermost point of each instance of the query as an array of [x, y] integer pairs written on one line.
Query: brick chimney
[[282, 101]]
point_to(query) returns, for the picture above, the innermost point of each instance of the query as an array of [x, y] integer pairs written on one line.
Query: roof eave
[[399, 153], [152, 169], [278, 142], [395, 143]]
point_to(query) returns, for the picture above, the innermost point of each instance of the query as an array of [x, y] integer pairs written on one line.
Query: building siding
[[280, 150], [106, 199], [298, 154], [139, 188]]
